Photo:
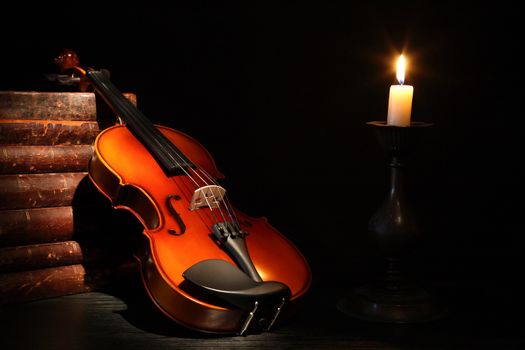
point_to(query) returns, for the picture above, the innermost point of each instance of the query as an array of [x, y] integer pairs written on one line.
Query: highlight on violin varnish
[[205, 265]]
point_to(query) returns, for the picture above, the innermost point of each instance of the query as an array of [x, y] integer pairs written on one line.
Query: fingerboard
[[167, 155]]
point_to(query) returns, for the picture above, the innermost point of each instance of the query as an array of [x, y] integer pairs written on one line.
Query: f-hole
[[176, 216]]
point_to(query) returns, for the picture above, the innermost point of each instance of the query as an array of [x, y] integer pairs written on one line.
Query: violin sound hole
[[175, 233], [176, 216]]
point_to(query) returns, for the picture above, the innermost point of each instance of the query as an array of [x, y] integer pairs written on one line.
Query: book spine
[[44, 159], [47, 132], [25, 286], [47, 105], [37, 256], [31, 226], [39, 190]]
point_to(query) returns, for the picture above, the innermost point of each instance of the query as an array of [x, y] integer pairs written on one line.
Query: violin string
[[211, 209], [121, 104], [205, 184], [186, 191], [211, 191], [198, 186], [162, 142], [226, 201], [214, 182], [200, 177], [203, 192], [218, 207], [227, 205], [149, 128], [145, 124], [234, 218]]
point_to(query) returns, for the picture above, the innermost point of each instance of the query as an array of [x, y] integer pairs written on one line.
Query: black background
[[279, 93]]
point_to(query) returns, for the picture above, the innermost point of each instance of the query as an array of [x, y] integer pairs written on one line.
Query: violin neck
[[169, 157]]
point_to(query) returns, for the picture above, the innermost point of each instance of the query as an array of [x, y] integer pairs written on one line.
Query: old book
[[39, 256], [51, 105], [47, 132], [39, 190], [91, 222], [44, 159], [61, 280], [47, 118], [40, 225], [47, 105]]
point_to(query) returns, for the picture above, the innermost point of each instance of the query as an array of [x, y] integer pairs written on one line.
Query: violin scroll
[[67, 60], [68, 64]]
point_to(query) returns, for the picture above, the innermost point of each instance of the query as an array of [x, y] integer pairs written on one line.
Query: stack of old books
[[58, 235]]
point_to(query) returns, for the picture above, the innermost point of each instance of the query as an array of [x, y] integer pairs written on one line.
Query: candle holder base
[[395, 296], [379, 304]]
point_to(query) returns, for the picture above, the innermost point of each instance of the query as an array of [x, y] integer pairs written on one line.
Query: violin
[[206, 265]]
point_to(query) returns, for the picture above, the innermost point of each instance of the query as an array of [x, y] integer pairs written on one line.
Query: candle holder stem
[[395, 297]]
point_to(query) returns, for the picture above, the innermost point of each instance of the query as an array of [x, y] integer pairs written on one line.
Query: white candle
[[400, 98]]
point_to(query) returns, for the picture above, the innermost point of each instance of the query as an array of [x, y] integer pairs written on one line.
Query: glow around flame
[[401, 66]]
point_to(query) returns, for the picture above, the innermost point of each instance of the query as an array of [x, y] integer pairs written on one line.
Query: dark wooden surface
[[482, 315]]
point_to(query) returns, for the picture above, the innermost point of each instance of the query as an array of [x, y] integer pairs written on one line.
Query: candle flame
[[401, 65]]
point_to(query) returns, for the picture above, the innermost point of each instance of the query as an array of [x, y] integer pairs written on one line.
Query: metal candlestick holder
[[396, 297]]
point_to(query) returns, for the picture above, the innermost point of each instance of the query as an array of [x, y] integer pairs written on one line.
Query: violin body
[[125, 171]]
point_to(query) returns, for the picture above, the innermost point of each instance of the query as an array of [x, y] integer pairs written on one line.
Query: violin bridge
[[207, 196]]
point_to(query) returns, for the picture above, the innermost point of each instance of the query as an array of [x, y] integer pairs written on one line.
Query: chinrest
[[223, 280]]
